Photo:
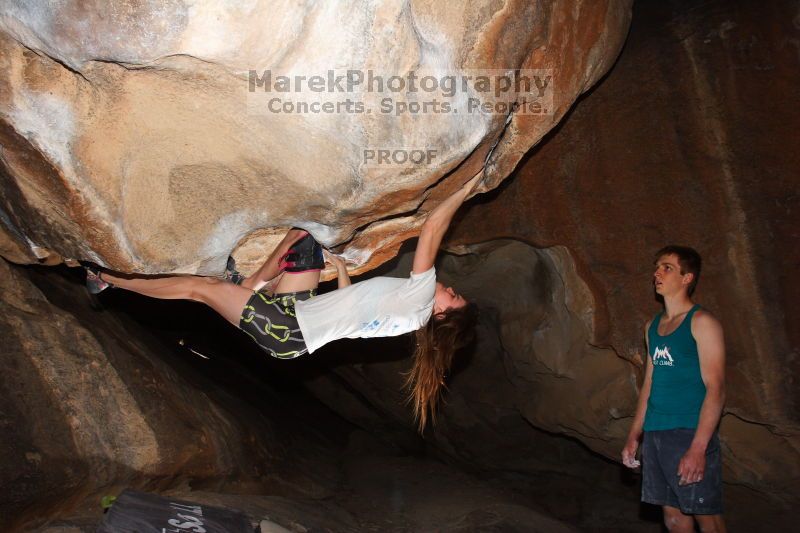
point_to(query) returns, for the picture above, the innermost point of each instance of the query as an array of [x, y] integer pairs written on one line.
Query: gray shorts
[[270, 321], [661, 453]]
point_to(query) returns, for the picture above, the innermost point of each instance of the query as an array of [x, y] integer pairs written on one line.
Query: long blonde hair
[[436, 344]]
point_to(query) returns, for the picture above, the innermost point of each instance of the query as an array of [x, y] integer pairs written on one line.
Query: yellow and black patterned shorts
[[271, 322]]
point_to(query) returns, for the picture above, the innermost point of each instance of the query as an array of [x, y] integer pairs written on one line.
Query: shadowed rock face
[[532, 364], [524, 398], [91, 403], [131, 137]]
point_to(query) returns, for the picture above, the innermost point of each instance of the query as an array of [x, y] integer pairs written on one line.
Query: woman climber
[[278, 306]]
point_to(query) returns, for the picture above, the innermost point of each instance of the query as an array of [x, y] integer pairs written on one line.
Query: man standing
[[681, 401]]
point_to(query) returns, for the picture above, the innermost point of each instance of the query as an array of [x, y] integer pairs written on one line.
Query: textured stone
[[130, 137], [89, 403], [532, 360]]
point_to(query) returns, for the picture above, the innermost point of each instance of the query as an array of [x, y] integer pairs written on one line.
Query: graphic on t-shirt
[[370, 326], [662, 357]]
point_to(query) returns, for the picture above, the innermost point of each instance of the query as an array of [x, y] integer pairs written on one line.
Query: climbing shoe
[[231, 274], [94, 284], [304, 255]]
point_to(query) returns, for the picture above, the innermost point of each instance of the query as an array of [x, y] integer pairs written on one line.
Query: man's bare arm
[[707, 332], [632, 442]]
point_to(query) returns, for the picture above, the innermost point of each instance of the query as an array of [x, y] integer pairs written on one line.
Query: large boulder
[[131, 136]]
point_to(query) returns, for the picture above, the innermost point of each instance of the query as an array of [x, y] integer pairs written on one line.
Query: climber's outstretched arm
[[436, 225]]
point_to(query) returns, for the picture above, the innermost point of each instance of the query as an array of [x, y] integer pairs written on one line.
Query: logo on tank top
[[662, 357]]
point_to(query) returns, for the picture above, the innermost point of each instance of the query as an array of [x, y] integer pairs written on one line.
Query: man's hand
[[629, 453], [692, 466]]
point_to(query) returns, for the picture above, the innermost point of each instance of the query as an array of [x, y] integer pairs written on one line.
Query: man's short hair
[[688, 259]]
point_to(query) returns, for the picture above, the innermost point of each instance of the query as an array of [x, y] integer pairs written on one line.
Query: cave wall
[[91, 403], [688, 140], [532, 396]]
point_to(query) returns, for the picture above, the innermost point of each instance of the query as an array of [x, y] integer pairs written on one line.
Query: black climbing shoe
[[304, 255], [231, 274], [94, 284]]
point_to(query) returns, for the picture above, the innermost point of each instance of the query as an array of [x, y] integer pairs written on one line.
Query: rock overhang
[[159, 157]]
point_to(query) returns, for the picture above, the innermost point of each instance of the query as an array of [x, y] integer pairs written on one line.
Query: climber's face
[[446, 299]]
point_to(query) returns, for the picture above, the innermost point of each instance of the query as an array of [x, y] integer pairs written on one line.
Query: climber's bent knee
[[200, 288]]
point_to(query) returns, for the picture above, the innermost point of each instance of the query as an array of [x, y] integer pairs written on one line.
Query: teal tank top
[[678, 390]]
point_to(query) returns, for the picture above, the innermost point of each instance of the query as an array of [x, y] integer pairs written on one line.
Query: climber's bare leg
[[269, 287], [297, 282], [223, 297], [271, 267]]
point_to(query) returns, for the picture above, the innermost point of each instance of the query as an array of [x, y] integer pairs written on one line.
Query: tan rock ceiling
[[130, 136]]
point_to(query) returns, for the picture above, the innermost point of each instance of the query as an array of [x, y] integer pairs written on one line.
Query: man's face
[[667, 279]]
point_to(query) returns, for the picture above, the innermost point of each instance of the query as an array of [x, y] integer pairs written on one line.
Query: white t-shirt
[[378, 307]]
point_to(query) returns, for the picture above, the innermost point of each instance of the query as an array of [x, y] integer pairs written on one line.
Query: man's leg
[[271, 267], [710, 523], [676, 521], [656, 488], [701, 500], [225, 298]]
